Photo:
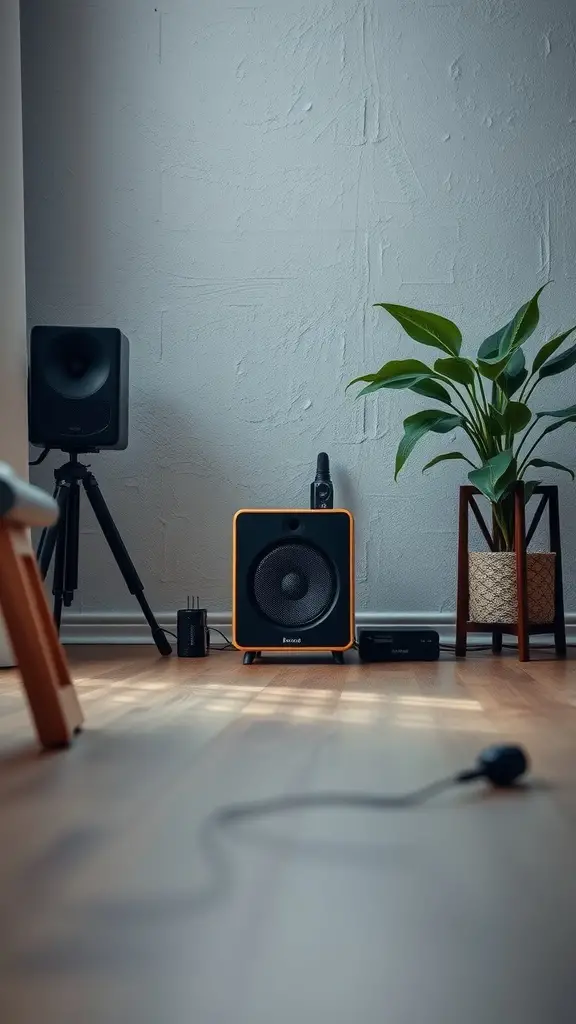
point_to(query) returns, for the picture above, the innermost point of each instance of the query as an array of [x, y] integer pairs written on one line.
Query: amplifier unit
[[398, 645]]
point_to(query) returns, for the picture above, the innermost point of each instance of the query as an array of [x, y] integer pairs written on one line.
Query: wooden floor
[[122, 903]]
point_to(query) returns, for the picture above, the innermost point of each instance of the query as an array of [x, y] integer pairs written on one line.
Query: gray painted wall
[[13, 426], [234, 186]]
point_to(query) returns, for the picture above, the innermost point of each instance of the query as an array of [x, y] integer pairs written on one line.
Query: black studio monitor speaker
[[293, 581], [78, 388]]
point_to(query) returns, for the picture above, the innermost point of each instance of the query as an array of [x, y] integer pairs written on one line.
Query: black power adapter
[[192, 633]]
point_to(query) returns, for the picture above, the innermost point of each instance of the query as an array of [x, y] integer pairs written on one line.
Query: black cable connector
[[43, 455]]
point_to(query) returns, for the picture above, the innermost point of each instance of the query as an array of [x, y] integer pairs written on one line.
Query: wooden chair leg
[[49, 689], [462, 582], [521, 573]]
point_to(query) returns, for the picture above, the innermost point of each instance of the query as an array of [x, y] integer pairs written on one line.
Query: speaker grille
[[294, 584], [78, 419]]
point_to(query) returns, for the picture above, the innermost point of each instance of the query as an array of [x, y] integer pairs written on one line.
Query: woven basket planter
[[492, 586]]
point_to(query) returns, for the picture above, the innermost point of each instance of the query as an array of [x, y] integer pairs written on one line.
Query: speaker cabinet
[[293, 580], [78, 388]]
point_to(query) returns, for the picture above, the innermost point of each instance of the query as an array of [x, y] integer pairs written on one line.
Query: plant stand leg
[[521, 573], [556, 547], [462, 583]]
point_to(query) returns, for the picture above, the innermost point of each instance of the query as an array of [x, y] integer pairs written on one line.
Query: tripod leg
[[70, 583], [60, 558], [123, 560], [49, 535]]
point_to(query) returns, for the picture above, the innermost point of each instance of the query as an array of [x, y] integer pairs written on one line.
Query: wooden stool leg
[[521, 573], [555, 545], [462, 583], [41, 660]]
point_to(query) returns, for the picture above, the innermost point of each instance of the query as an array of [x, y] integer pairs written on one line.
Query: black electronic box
[[398, 644]]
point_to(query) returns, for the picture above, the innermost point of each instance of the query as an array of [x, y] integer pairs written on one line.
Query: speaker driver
[[77, 365], [294, 585]]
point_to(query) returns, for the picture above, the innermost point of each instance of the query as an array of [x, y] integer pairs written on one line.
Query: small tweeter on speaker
[[293, 524]]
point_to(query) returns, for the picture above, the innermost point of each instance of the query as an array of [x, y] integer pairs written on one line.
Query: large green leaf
[[395, 367], [495, 421], [561, 416], [523, 324], [367, 377], [397, 370], [446, 457], [514, 374], [568, 413], [419, 424], [456, 368], [495, 477], [426, 328], [560, 363], [490, 347], [377, 385], [492, 368], [539, 463], [549, 348], [557, 425], [431, 389], [515, 417], [509, 338]]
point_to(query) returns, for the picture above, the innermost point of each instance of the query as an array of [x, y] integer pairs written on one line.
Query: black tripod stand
[[64, 537]]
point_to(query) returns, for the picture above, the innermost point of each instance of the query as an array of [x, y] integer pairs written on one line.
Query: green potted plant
[[488, 399]]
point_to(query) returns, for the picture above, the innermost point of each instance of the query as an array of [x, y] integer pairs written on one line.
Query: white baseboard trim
[[129, 628]]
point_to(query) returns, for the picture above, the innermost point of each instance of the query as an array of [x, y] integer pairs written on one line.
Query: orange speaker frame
[[296, 511]]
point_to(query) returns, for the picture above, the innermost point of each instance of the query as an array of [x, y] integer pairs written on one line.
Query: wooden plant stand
[[523, 629], [46, 678]]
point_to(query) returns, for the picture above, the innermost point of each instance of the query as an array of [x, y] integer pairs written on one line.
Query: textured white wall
[[13, 426], [234, 186]]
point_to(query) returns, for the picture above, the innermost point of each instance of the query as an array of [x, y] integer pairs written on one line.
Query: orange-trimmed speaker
[[293, 581]]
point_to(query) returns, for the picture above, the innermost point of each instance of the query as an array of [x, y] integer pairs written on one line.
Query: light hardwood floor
[[121, 903]]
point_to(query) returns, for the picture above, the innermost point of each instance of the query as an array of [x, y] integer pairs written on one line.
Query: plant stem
[[482, 391], [474, 432], [476, 404], [526, 436], [502, 524], [531, 390], [456, 390], [526, 458], [476, 441]]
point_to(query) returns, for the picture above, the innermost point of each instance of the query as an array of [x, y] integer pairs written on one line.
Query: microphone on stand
[[322, 488]]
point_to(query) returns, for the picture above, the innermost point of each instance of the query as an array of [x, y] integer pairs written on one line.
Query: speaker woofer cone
[[77, 365], [294, 585]]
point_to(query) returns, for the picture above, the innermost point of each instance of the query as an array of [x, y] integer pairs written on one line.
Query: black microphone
[[322, 489], [501, 765]]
